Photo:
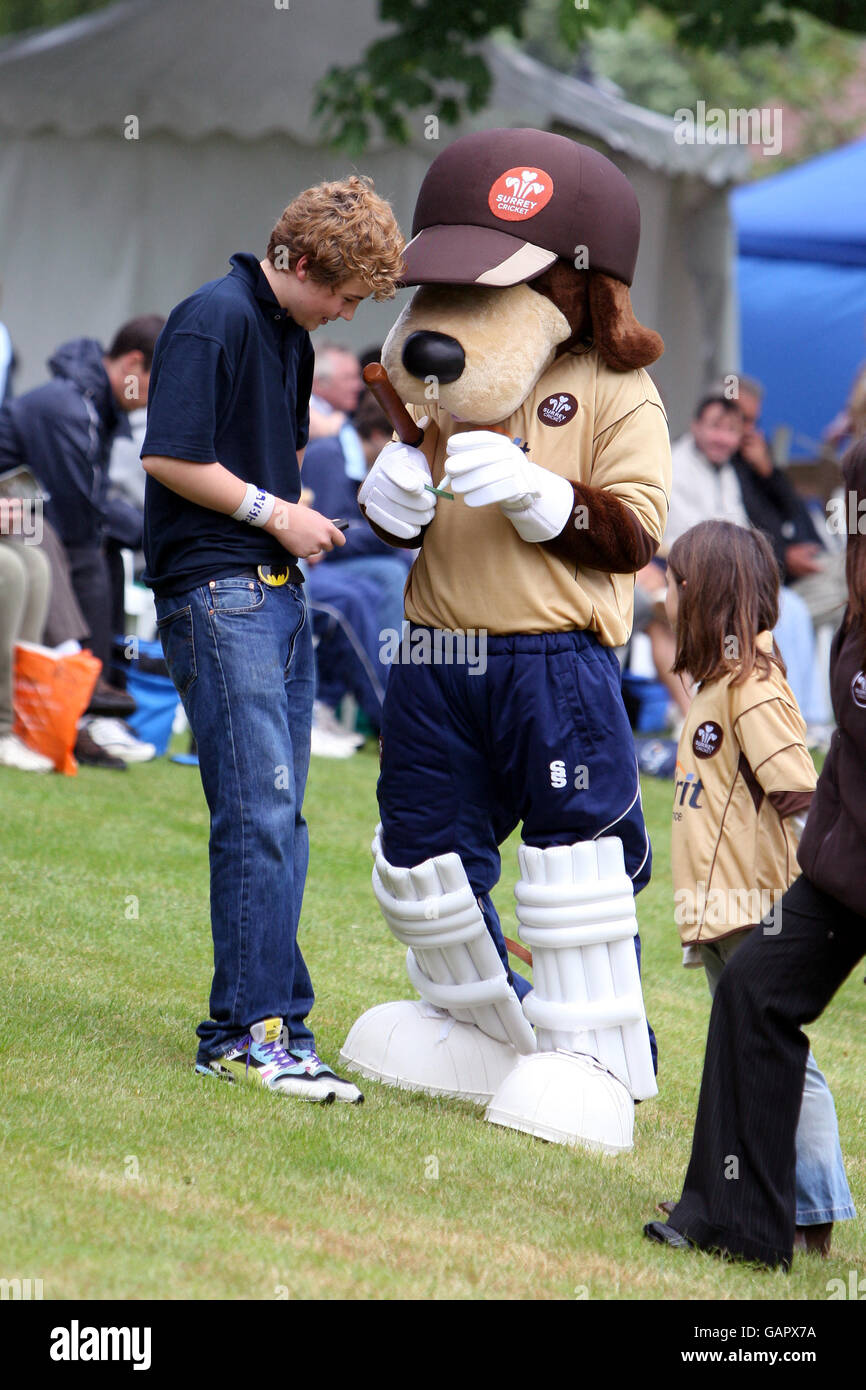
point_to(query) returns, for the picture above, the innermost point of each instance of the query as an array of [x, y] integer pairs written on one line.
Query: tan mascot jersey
[[540, 487]]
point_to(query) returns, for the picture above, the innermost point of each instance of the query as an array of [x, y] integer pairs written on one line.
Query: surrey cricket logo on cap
[[520, 193], [708, 739], [498, 207]]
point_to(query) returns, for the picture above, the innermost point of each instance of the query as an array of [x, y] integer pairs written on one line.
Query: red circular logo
[[520, 193]]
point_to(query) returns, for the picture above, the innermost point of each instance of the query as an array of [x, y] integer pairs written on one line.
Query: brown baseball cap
[[500, 206]]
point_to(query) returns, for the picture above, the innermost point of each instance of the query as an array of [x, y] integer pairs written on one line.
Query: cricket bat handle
[[405, 428]]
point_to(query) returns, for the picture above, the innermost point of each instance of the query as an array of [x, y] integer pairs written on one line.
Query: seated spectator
[[361, 594], [124, 519], [62, 432], [337, 387], [706, 486], [774, 506], [25, 585], [347, 655], [336, 494], [850, 424], [857, 406]]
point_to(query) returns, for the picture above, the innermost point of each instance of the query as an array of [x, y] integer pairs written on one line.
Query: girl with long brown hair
[[745, 780], [785, 976]]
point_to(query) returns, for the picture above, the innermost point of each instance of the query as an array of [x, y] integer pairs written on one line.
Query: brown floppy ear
[[622, 342], [566, 287]]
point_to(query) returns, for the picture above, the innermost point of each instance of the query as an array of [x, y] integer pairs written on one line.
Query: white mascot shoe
[[575, 905], [410, 1044], [470, 1030], [566, 1099]]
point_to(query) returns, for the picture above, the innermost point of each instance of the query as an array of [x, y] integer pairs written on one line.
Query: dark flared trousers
[[739, 1189]]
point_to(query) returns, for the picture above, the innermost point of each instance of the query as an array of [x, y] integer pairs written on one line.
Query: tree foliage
[[431, 63], [662, 56], [19, 15], [652, 69]]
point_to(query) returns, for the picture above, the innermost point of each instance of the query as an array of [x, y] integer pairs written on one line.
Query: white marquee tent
[[96, 226]]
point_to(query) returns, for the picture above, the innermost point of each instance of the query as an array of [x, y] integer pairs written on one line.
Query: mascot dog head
[[524, 245]]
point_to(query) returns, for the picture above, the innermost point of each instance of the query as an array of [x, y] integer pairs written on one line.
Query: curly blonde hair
[[347, 230]]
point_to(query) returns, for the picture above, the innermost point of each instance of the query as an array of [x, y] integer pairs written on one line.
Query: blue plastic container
[[150, 685]]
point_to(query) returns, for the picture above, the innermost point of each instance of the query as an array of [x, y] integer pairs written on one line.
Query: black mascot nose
[[433, 354]]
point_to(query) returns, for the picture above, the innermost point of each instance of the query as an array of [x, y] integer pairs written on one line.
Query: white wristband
[[256, 507]]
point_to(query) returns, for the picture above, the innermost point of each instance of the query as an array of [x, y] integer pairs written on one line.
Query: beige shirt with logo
[[732, 855], [600, 427]]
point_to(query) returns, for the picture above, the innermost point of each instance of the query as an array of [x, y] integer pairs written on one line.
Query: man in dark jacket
[[775, 507], [63, 433], [782, 978]]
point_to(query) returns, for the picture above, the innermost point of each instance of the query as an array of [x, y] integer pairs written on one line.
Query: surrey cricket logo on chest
[[557, 409]]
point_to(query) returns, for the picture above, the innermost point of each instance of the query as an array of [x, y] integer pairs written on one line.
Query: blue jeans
[[240, 655], [822, 1188]]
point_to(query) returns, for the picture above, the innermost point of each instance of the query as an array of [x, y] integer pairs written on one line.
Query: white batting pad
[[410, 1044], [575, 905], [451, 960]]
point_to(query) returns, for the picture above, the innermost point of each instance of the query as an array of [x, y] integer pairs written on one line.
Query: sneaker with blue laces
[[307, 1057], [260, 1056]]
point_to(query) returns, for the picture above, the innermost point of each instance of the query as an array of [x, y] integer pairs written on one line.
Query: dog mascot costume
[[540, 487]]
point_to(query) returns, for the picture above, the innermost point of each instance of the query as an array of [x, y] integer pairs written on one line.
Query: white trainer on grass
[[116, 738], [14, 753]]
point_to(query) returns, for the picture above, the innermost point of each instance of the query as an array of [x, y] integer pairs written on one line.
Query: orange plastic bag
[[51, 693]]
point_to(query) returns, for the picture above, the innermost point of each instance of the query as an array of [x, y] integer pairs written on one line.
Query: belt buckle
[[273, 576]]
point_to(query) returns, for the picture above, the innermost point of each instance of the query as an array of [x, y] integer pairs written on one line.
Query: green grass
[[127, 1178]]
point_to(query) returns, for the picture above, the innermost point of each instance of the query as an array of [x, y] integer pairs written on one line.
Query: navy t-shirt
[[231, 381]]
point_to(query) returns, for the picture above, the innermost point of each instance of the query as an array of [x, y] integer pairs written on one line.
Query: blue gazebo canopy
[[802, 285]]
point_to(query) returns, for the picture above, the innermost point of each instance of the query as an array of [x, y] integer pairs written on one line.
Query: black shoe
[[91, 755], [107, 699], [666, 1235]]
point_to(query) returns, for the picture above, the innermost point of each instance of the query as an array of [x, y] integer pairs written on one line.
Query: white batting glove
[[488, 467], [394, 493]]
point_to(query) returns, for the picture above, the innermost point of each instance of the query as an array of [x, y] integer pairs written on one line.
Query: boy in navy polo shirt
[[227, 426]]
